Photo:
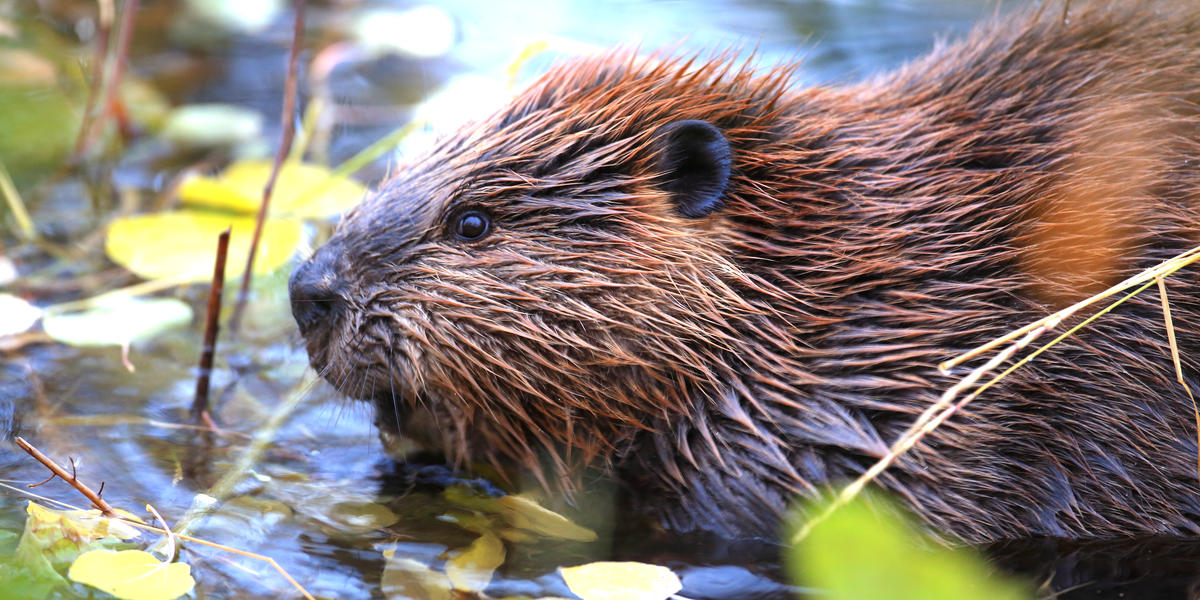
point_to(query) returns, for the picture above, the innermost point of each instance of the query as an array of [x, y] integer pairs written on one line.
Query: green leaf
[[117, 321], [621, 581], [132, 575], [39, 125], [20, 583], [472, 569], [182, 244], [864, 551], [301, 190]]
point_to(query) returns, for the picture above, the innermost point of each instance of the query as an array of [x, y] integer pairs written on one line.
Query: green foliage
[[39, 125], [865, 551]]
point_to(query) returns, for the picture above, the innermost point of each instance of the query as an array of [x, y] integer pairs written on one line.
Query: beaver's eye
[[471, 225]]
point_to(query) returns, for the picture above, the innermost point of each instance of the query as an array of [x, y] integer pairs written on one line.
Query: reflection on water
[[81, 403]]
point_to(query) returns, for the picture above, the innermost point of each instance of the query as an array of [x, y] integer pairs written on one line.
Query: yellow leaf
[[621, 581], [82, 525], [473, 568], [183, 244], [525, 513], [132, 575], [301, 190], [407, 579]]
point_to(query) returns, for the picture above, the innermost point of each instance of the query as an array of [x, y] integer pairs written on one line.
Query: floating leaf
[[182, 244], [362, 516], [211, 125], [83, 525], [621, 581], [16, 315], [860, 553], [117, 321], [301, 190], [523, 512], [472, 569], [407, 579], [132, 575]]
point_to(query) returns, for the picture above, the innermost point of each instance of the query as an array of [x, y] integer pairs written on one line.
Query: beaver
[[726, 292]]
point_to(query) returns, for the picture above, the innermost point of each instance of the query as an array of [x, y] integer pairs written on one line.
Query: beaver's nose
[[315, 289]]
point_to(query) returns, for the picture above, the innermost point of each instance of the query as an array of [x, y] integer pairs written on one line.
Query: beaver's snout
[[315, 291]]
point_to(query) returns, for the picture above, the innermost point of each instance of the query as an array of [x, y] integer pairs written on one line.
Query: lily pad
[[182, 244], [301, 190], [132, 575], [621, 581]]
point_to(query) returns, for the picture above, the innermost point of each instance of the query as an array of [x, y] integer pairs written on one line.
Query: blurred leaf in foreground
[[621, 581], [181, 245], [864, 551], [301, 190], [132, 575]]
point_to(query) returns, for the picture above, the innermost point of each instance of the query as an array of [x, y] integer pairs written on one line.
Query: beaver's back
[[932, 209]]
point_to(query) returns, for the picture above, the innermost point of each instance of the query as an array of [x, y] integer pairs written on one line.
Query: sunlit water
[[326, 458]]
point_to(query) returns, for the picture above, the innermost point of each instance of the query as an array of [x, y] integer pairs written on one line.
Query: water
[[123, 428]]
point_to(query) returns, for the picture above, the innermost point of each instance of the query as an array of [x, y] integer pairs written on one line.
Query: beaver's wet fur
[[727, 293]]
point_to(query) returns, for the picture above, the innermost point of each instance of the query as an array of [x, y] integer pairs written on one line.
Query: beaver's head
[[550, 281]]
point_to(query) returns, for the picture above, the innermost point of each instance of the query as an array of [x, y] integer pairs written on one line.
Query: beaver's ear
[[695, 159]]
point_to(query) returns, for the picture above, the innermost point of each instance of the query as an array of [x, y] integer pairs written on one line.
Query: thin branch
[[289, 131], [70, 478], [211, 328]]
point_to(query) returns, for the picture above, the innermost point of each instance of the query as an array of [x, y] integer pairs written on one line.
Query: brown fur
[[721, 366]]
